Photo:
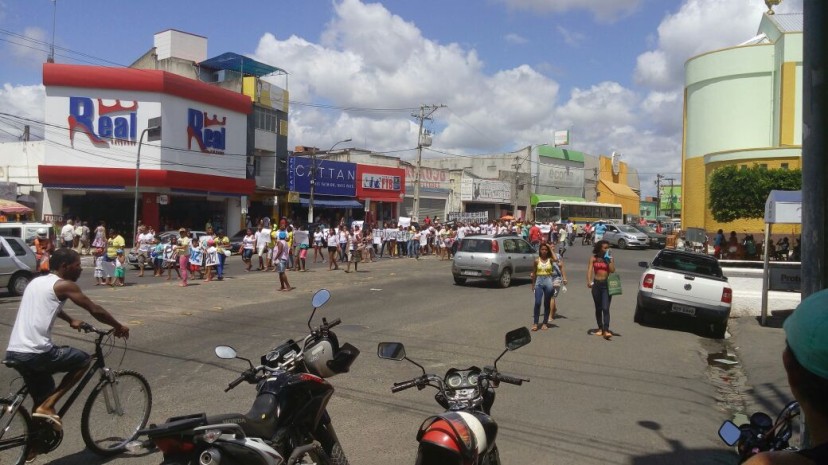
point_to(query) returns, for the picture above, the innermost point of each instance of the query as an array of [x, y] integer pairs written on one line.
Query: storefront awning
[[543, 197], [620, 190], [330, 203]]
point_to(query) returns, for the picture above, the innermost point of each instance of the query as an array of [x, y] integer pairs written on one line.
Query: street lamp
[[154, 131], [313, 177]]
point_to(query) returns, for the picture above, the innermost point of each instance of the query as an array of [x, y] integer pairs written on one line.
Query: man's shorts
[[262, 250], [281, 266], [143, 256], [37, 369]]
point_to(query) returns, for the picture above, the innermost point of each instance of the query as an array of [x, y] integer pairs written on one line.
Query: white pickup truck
[[684, 285]]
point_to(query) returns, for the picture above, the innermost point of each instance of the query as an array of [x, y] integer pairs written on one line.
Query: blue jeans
[[545, 292], [37, 369], [411, 248], [220, 267], [602, 299]]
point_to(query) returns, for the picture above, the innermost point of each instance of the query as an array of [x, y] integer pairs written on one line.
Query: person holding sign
[[183, 252]]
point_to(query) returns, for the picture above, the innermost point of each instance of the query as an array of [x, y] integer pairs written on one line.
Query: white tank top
[[39, 307]]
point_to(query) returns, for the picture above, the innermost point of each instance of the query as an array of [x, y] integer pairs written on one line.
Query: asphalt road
[[643, 398]]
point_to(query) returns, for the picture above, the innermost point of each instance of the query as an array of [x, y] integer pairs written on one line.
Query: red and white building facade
[[94, 120]]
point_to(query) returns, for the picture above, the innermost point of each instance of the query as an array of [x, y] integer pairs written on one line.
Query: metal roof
[[242, 64], [788, 22]]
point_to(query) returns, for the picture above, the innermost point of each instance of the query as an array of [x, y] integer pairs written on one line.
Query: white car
[[684, 285], [18, 265]]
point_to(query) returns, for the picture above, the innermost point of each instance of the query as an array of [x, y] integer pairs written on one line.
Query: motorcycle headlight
[[454, 380]]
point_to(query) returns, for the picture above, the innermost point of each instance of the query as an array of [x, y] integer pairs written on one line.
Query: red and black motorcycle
[[288, 422], [465, 433]]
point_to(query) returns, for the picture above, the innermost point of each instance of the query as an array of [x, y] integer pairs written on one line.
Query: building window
[[265, 119], [763, 166], [257, 165], [784, 166]]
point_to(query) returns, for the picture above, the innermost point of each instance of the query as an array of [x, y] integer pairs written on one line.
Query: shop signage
[[380, 181], [430, 178], [670, 197], [785, 278], [468, 217], [116, 123], [553, 176], [485, 191], [163, 199], [331, 177], [210, 134]]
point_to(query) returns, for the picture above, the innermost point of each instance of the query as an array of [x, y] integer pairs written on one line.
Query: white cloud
[[29, 51], [23, 101], [699, 26], [572, 38], [603, 10], [516, 39]]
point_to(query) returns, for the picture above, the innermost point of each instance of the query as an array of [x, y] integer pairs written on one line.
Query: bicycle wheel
[[114, 412], [14, 434]]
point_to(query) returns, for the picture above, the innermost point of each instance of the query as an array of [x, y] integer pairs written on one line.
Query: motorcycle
[[464, 434], [288, 422], [762, 434]]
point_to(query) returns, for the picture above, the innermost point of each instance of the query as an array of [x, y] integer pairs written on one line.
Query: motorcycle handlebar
[[404, 385], [246, 374], [333, 323], [510, 379]]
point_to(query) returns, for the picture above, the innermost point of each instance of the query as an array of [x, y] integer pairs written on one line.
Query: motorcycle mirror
[[225, 352], [391, 351], [517, 338], [730, 433], [320, 298]]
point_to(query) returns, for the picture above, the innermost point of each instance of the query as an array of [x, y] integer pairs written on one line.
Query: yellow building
[[742, 106], [614, 186]]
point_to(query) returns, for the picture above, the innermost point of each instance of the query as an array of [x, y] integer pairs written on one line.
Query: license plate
[[470, 273], [685, 309]]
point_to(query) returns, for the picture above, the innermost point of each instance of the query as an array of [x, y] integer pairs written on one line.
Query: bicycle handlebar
[[88, 328]]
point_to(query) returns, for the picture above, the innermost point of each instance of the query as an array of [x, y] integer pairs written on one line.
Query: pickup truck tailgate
[[689, 287]]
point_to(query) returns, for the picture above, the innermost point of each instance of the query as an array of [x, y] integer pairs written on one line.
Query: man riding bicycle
[[31, 344]]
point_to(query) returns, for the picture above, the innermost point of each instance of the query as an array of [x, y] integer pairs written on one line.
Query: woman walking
[[183, 255], [543, 274], [317, 245], [247, 248], [601, 264], [333, 247]]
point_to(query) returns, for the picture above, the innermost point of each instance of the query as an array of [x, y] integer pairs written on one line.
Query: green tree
[[741, 192]]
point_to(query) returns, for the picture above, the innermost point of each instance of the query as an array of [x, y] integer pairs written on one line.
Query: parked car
[[18, 264], [496, 258], [164, 237], [684, 285], [656, 240], [236, 241], [623, 236]]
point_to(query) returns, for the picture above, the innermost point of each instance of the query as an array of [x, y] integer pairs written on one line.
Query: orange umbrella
[[507, 217], [10, 206]]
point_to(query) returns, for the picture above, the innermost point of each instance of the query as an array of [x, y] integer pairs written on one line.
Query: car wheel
[[717, 330], [505, 278], [638, 316], [18, 283], [622, 244], [459, 281]]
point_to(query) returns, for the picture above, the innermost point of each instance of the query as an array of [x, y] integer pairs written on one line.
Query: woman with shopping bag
[[601, 265]]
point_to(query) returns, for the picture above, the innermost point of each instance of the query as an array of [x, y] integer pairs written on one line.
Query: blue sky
[[510, 71]]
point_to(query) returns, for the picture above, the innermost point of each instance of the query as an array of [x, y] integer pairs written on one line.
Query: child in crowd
[[210, 258], [98, 256], [303, 255], [120, 268], [196, 259], [157, 258], [171, 257]]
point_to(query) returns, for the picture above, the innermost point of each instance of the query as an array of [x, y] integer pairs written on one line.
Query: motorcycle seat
[[251, 426]]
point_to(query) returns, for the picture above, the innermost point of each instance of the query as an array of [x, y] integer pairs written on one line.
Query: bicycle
[[118, 406]]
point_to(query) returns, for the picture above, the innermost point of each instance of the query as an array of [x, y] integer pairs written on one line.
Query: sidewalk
[[747, 294]]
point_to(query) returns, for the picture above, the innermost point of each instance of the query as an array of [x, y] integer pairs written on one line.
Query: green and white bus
[[555, 211]]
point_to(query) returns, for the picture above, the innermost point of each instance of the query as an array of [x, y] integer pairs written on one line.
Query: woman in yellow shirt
[[546, 271]]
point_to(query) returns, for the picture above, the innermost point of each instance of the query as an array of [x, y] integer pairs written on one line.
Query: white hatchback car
[[684, 285], [18, 265]]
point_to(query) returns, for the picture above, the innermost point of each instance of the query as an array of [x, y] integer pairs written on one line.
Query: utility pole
[[515, 168], [425, 113], [814, 164], [659, 177]]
